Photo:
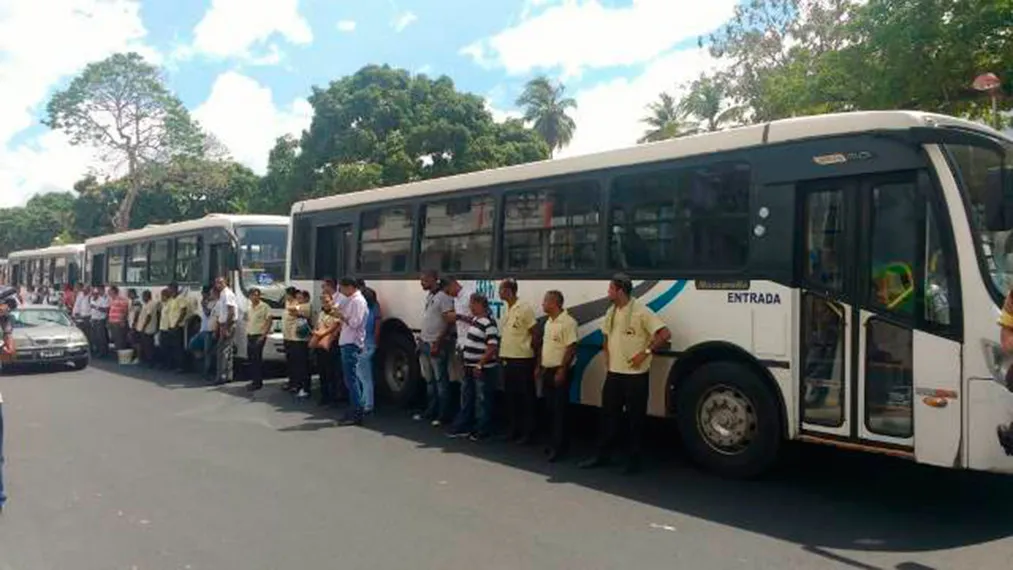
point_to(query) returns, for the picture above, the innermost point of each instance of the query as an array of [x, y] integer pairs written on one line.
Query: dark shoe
[[350, 420], [478, 437], [553, 454], [253, 387], [524, 440], [458, 434], [593, 462]]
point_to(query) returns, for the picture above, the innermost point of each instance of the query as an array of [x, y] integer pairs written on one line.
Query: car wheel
[[81, 363]]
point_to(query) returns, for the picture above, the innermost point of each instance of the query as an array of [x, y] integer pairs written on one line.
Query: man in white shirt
[[226, 314], [82, 310], [99, 314], [351, 341], [461, 318]]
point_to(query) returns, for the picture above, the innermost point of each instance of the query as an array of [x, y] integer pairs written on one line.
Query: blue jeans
[[3, 497], [364, 368], [349, 363], [205, 344], [477, 392], [437, 375]]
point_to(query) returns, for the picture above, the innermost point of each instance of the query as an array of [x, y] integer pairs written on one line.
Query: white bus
[[832, 279], [5, 272], [54, 266], [250, 250]]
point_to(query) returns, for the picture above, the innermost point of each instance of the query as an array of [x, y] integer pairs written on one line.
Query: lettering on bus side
[[752, 298], [490, 289]]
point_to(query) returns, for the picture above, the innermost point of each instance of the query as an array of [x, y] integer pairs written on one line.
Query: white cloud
[[608, 114], [32, 64], [242, 114], [346, 26], [500, 115], [234, 28], [403, 20], [579, 34]]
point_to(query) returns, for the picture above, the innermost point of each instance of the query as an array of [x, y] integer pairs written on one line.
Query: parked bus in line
[[5, 272], [832, 279], [249, 250], [54, 266]]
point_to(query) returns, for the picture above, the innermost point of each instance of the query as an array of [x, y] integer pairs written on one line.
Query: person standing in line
[[328, 323], [433, 350], [119, 307], [460, 319], [559, 348], [8, 301], [374, 318], [54, 296], [204, 341], [258, 326], [99, 307], [146, 328], [297, 315], [227, 313], [481, 373], [133, 339], [163, 356], [69, 297], [519, 330], [632, 333], [351, 341], [82, 312], [177, 318]]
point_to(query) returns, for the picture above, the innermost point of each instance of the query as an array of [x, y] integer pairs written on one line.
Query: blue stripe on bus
[[591, 344]]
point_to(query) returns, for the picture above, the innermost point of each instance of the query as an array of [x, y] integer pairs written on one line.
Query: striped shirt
[[481, 333]]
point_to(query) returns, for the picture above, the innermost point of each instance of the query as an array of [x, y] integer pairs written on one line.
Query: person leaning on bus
[[1005, 432], [632, 333]]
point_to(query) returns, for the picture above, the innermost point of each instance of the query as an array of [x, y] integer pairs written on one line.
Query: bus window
[[896, 209], [117, 263], [458, 234], [302, 248], [681, 218], [188, 259], [824, 238], [938, 287], [137, 264], [555, 228], [161, 262], [386, 240]]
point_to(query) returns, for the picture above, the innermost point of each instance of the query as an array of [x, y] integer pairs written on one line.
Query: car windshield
[[31, 317], [262, 251], [976, 169]]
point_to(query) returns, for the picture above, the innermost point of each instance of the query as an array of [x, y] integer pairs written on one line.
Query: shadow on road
[[820, 498]]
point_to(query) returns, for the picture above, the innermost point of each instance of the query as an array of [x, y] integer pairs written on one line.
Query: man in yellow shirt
[[258, 326], [177, 311], [559, 347], [518, 332], [294, 323], [632, 333], [164, 354]]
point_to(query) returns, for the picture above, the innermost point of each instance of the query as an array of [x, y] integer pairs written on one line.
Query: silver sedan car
[[44, 334]]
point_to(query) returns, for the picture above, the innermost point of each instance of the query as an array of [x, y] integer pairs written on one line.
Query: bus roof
[[209, 221], [52, 251], [784, 130]]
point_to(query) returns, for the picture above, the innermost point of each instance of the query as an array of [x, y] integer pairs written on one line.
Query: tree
[[384, 126], [706, 101], [545, 108], [44, 220], [122, 107], [666, 121]]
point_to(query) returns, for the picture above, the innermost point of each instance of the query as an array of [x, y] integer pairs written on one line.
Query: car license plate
[[51, 353]]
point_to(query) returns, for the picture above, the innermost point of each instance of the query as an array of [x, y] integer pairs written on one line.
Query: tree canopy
[[546, 108]]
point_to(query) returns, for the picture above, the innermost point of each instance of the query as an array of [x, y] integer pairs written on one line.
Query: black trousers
[[100, 337], [557, 402], [519, 383], [177, 350], [297, 355], [255, 358], [629, 392], [147, 348], [328, 376]]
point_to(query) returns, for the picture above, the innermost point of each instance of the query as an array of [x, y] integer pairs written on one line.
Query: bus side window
[[894, 239], [937, 277]]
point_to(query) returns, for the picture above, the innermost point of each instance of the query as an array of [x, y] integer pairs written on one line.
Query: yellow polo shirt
[[165, 310], [1006, 316], [288, 322], [515, 331], [257, 319], [174, 310], [560, 333], [629, 331]]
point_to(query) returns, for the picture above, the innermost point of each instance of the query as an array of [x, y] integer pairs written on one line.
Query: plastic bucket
[[125, 356]]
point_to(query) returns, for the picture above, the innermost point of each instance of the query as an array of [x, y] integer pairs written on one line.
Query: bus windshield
[[977, 169], [262, 251]]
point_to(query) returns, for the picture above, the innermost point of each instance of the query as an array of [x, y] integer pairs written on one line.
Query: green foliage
[[545, 108], [121, 107], [45, 219], [666, 120]]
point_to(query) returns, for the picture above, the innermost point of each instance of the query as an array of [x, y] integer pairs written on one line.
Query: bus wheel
[[729, 420], [400, 370]]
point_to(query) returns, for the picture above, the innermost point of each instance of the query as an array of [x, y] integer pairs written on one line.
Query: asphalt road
[[111, 469]]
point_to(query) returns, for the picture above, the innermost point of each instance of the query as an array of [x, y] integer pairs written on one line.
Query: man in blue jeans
[[351, 341], [435, 345], [7, 302]]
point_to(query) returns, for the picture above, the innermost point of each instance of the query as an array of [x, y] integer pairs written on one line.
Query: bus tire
[[398, 370], [729, 420]]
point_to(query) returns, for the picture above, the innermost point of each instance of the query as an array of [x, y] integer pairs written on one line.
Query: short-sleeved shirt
[[226, 299], [257, 318], [173, 311], [482, 333], [165, 310], [149, 309], [81, 306], [462, 307], [97, 314], [290, 324], [433, 324], [629, 331], [516, 331], [560, 333], [118, 309]]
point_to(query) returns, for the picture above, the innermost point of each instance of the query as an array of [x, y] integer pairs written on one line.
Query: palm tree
[[545, 108], [666, 120], [706, 101]]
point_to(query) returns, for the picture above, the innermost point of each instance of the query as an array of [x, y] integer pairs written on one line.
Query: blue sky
[[244, 67]]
